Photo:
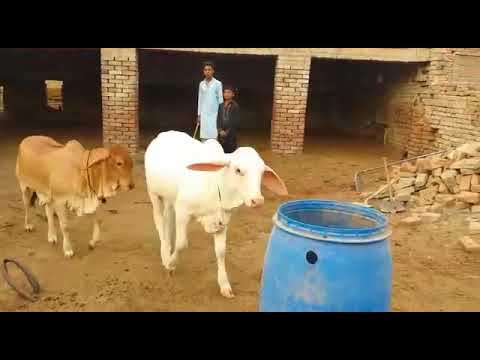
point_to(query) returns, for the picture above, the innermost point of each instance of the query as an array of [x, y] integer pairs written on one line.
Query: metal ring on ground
[[28, 274]]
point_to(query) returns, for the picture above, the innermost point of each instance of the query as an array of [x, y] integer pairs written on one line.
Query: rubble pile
[[440, 181], [431, 185]]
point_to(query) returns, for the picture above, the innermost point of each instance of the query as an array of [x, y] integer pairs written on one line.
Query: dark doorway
[[169, 87]]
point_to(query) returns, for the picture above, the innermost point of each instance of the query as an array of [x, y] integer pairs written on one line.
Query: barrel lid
[[330, 220]]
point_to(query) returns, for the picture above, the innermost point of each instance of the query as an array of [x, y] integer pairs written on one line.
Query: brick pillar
[[120, 97], [292, 75]]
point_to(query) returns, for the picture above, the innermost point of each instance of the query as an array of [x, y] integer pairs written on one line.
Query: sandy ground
[[124, 273]]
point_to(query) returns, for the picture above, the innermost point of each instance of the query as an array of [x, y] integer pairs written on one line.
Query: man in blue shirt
[[210, 96]]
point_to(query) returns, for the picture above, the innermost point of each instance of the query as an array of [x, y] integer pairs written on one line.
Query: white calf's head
[[245, 171]]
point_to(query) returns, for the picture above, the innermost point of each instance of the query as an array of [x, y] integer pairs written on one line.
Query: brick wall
[[447, 107], [119, 69], [120, 89], [290, 104], [433, 106], [408, 126], [453, 96]]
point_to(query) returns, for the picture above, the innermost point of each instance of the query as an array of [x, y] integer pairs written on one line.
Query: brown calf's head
[[118, 168]]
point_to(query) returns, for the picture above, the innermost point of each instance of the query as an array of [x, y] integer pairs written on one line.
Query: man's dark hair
[[208, 63]]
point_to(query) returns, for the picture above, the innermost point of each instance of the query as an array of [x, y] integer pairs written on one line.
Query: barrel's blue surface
[[327, 256]]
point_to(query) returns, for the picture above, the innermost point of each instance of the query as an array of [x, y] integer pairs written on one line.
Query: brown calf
[[69, 177]]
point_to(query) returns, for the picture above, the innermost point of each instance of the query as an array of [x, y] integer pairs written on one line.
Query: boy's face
[[228, 94], [208, 72]]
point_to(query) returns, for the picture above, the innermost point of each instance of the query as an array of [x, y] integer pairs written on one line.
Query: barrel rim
[[318, 232]]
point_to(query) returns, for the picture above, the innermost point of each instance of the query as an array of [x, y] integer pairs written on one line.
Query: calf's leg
[[61, 211], [158, 217], [97, 223], [169, 225], [26, 197], [181, 242], [222, 277], [52, 231]]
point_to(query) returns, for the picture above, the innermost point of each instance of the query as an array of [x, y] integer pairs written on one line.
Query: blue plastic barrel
[[327, 256]]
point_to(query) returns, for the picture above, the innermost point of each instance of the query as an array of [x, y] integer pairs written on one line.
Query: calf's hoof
[[170, 269], [165, 262], [227, 292], [170, 265], [29, 228], [68, 254], [52, 239]]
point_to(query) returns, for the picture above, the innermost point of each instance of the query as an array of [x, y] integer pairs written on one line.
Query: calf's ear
[[273, 182], [91, 157], [207, 166]]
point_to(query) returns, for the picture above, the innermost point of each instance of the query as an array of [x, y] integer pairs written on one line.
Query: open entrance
[[366, 101], [54, 94], [67, 107], [169, 82]]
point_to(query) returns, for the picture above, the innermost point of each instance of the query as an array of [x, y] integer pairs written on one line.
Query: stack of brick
[[451, 180], [432, 185]]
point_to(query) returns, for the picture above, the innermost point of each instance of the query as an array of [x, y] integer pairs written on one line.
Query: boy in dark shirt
[[227, 120]]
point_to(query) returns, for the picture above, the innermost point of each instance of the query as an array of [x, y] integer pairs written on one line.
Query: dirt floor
[[124, 273]]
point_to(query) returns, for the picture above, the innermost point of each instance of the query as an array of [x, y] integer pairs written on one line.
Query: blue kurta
[[210, 96]]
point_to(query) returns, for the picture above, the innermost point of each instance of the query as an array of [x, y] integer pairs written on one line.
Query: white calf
[[186, 179]]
